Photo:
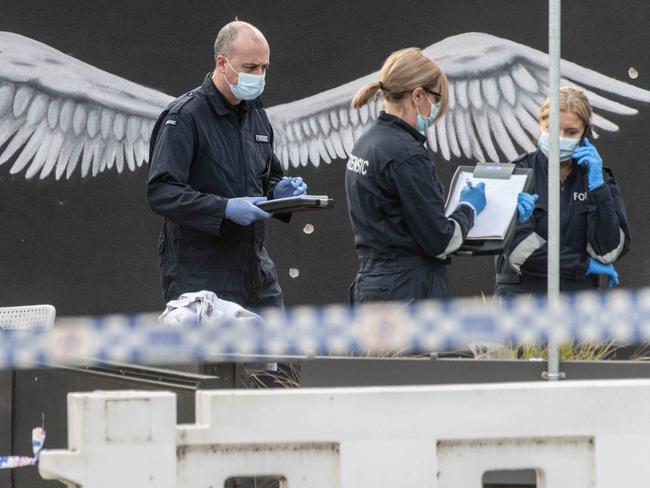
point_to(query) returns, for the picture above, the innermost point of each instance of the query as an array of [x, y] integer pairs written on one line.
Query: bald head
[[234, 34], [239, 48]]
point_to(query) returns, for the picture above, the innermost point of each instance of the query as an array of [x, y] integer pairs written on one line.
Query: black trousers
[[512, 285], [399, 278]]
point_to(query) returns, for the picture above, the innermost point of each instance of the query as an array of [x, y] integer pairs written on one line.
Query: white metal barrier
[[574, 434]]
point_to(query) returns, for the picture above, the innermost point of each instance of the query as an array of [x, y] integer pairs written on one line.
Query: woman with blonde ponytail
[[395, 200]]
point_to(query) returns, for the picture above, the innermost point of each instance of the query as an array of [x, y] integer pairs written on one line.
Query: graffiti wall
[[81, 84]]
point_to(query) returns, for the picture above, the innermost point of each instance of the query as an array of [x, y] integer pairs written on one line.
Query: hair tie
[[381, 85]]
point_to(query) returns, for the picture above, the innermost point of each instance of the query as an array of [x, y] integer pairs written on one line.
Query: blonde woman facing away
[[594, 232], [395, 200]]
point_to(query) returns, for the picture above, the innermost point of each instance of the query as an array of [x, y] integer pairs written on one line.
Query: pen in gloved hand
[[474, 196]]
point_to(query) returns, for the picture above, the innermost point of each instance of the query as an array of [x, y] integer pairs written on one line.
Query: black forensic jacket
[[395, 200], [201, 157], [592, 224]]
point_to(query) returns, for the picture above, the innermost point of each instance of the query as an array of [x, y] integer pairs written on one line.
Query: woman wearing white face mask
[[395, 201], [594, 232]]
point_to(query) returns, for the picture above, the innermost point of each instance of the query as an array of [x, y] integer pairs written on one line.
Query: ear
[[416, 95], [543, 125], [219, 62]]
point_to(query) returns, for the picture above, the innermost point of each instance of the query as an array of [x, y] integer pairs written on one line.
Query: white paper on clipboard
[[501, 195]]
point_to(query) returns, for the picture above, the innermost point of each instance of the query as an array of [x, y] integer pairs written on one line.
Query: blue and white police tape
[[339, 330], [38, 439]]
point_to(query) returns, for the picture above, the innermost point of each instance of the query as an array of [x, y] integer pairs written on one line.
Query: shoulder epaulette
[[180, 102]]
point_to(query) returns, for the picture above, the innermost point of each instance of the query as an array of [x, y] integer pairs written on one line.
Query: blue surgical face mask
[[423, 123], [567, 145], [248, 86]]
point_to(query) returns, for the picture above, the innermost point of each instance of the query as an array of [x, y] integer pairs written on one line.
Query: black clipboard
[[487, 247], [301, 203]]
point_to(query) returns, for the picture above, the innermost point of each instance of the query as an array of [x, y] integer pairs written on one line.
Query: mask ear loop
[[433, 104], [225, 68], [233, 70], [236, 83]]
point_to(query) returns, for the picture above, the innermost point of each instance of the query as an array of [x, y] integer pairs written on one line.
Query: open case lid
[[301, 203], [487, 247]]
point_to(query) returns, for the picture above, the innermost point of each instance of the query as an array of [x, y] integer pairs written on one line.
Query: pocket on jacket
[[219, 166]]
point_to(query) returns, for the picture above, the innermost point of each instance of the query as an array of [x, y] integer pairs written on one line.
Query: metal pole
[[554, 24]]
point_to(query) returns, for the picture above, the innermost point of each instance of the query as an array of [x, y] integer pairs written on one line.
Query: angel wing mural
[[496, 87], [59, 114]]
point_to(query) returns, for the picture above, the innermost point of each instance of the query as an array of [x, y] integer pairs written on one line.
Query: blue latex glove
[[475, 196], [596, 267], [243, 210], [588, 155], [525, 206], [289, 187]]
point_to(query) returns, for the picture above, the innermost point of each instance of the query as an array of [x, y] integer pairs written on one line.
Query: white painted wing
[[496, 88], [58, 113]]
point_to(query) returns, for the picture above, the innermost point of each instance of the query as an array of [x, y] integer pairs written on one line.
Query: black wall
[[89, 245]]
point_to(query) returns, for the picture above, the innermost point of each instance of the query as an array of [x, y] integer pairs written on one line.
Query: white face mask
[[567, 145], [248, 86]]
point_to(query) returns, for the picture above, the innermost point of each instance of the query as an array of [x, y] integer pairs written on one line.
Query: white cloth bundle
[[202, 308]]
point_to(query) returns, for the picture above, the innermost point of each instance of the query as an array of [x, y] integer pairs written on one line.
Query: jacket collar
[[217, 99], [542, 162], [388, 119]]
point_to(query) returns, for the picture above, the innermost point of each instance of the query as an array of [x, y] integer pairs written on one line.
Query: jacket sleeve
[[608, 232], [424, 208], [528, 253], [276, 173], [168, 190]]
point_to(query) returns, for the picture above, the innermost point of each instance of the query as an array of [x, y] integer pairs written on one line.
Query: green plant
[[579, 351]]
